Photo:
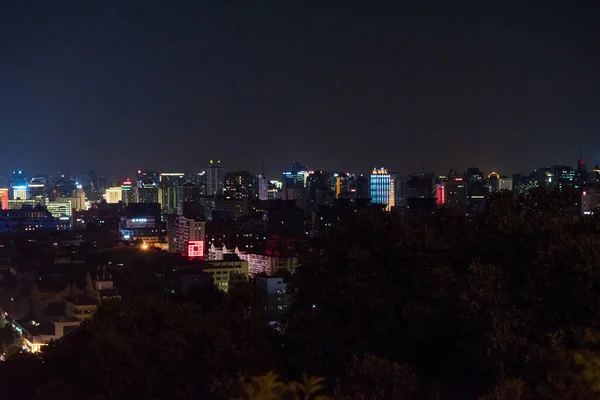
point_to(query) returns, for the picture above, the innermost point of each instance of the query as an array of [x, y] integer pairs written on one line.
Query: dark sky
[[121, 85]]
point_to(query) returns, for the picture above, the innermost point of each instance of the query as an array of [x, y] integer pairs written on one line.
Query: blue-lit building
[[27, 219], [294, 182], [18, 183], [383, 188]]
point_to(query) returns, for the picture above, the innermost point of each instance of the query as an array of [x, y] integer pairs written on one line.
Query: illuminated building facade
[[37, 187], [113, 195], [262, 187], [60, 209], [4, 198], [383, 185], [274, 189], [494, 182], [227, 272], [185, 230], [142, 222], [440, 194], [18, 183], [26, 219], [168, 191], [127, 194], [20, 192], [19, 204], [340, 185]]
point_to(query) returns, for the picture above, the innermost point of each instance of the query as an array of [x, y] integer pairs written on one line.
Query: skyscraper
[[128, 195], [294, 182], [168, 191], [383, 188], [263, 187], [214, 178], [147, 186], [18, 183]]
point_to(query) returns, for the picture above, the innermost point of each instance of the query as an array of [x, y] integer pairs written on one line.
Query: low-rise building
[[276, 299], [227, 272]]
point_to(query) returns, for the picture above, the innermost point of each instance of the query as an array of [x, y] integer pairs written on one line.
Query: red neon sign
[[4, 199], [195, 248], [440, 192]]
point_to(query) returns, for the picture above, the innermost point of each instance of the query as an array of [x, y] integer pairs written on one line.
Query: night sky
[[122, 85]]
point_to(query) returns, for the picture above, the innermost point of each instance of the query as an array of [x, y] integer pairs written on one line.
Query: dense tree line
[[504, 305]]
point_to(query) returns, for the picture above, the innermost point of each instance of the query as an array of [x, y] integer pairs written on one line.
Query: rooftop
[[82, 300]]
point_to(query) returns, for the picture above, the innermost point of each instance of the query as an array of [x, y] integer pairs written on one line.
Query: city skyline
[[277, 176], [116, 86]]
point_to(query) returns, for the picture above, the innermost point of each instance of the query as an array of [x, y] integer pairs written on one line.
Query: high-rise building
[[494, 182], [147, 186], [186, 231], [214, 178], [20, 192], [238, 185], [189, 194], [127, 194], [400, 191], [294, 182], [440, 193], [63, 186], [455, 192], [263, 187], [383, 185], [363, 191], [168, 191], [37, 187], [18, 183], [340, 185], [318, 186], [79, 199], [274, 190]]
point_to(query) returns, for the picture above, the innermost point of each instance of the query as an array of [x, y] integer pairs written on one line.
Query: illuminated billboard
[[195, 248]]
